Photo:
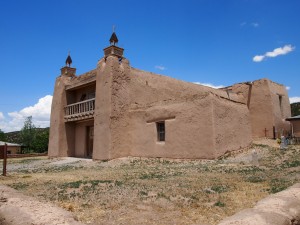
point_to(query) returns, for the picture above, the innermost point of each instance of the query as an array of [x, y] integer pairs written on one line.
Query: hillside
[[15, 136]]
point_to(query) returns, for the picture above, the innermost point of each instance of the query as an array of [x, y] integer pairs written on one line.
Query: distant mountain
[[295, 108]]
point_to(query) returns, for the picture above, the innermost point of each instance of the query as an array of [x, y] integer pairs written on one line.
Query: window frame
[[161, 131]]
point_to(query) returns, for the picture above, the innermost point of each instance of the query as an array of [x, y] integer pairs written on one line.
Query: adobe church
[[116, 111]]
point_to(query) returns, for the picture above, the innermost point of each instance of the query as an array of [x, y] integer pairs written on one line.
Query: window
[[160, 127], [280, 105]]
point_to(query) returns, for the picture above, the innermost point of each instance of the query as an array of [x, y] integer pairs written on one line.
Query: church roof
[[293, 118], [9, 144]]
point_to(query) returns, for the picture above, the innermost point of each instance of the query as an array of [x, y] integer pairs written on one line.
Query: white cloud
[[294, 99], [276, 52], [1, 116], [255, 24], [258, 58], [160, 67], [209, 85], [40, 113], [288, 88], [280, 51]]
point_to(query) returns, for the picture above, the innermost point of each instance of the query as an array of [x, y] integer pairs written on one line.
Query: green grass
[[220, 204]]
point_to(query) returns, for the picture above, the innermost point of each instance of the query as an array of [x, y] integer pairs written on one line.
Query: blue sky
[[217, 42]]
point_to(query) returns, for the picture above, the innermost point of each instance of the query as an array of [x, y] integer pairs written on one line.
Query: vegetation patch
[[19, 186], [277, 185], [289, 164]]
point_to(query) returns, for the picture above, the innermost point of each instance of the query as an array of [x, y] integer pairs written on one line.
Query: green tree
[[2, 136], [40, 143], [295, 108], [28, 134]]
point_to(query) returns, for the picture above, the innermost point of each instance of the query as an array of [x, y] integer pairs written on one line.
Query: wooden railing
[[80, 110]]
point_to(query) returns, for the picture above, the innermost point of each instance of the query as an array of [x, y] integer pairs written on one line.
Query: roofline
[[293, 118]]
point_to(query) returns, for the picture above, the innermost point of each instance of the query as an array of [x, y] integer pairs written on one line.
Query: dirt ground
[[157, 191]]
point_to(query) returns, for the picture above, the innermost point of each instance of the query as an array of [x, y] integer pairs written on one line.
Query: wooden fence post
[[3, 155], [5, 160]]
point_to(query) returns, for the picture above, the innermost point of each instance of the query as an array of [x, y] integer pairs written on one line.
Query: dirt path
[[18, 209]]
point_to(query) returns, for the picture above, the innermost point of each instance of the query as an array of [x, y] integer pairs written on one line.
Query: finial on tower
[[113, 49], [68, 60], [68, 70], [113, 39]]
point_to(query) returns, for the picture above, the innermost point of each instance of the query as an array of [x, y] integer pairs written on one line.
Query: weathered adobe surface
[[282, 208]]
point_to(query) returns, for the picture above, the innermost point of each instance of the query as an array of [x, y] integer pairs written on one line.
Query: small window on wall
[[280, 104], [161, 131]]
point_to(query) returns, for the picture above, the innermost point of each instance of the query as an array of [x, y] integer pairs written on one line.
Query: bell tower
[[113, 49], [67, 70]]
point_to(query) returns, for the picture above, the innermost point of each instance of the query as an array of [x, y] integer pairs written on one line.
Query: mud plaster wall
[[296, 127], [187, 111], [281, 208], [188, 127], [61, 137], [14, 149], [102, 116], [232, 127], [260, 108], [149, 87], [280, 110], [265, 111], [120, 122], [129, 102], [242, 90]]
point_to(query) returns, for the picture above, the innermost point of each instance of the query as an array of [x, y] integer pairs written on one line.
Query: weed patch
[[277, 185], [19, 186], [220, 204], [220, 188]]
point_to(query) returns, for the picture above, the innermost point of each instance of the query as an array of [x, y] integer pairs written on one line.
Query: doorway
[[90, 141]]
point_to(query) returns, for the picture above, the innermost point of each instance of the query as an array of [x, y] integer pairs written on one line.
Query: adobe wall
[[14, 149], [296, 127], [264, 106], [112, 124], [261, 109], [102, 115], [188, 126], [232, 126], [140, 99], [281, 108], [61, 137], [282, 208], [127, 99], [155, 87]]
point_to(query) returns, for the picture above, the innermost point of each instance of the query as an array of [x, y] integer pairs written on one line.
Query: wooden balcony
[[80, 110]]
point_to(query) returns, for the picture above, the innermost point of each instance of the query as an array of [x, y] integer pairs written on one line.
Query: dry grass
[[158, 191]]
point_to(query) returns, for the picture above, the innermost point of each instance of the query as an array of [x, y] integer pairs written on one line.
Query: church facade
[[116, 111]]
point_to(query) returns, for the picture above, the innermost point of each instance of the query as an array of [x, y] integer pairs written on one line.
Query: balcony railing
[[80, 110]]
